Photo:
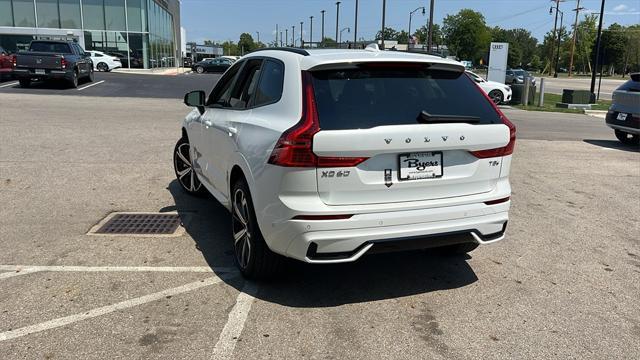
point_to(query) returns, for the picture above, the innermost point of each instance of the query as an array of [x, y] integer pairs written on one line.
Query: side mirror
[[195, 99]]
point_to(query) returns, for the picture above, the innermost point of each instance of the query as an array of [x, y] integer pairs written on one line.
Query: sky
[[222, 20]]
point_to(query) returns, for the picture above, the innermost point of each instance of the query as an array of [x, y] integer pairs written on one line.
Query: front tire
[[627, 139], [253, 257], [183, 167], [90, 76], [199, 69], [496, 96]]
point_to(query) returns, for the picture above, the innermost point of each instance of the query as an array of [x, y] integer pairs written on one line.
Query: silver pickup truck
[[53, 60]]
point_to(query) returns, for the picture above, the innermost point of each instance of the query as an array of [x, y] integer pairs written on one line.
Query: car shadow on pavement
[[613, 144], [374, 277]]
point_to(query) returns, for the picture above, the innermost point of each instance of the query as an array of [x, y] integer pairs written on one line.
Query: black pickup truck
[[53, 60]]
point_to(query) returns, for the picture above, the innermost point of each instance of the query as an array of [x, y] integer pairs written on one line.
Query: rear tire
[[253, 257], [459, 249], [73, 81], [627, 139], [199, 69], [102, 66], [25, 83]]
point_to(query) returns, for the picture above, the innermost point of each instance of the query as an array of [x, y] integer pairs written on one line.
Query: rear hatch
[[419, 133]]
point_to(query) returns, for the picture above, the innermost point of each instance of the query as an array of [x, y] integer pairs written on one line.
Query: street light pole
[[411, 15], [355, 28], [301, 31], [310, 30], [280, 38], [293, 36], [384, 11], [322, 34], [597, 55], [348, 30], [286, 36], [258, 33], [555, 26], [337, 17], [430, 35]]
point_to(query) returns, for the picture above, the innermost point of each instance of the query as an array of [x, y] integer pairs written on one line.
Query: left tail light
[[14, 61], [63, 63]]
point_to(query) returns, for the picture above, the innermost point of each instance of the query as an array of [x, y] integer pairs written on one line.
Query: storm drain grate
[[140, 224]]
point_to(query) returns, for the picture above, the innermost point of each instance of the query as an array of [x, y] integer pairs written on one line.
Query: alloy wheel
[[184, 168], [241, 229], [496, 97], [199, 69]]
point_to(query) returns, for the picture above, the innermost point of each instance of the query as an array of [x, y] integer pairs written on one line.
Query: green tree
[[632, 60], [613, 48], [328, 42], [402, 37], [389, 34], [246, 43], [423, 35], [536, 63], [586, 33], [466, 34]]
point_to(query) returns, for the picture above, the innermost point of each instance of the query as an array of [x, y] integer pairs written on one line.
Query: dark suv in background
[[624, 114]]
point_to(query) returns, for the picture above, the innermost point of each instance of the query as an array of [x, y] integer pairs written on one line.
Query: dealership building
[[142, 33]]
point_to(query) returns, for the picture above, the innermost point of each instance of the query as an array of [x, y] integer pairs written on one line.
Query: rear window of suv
[[367, 97]]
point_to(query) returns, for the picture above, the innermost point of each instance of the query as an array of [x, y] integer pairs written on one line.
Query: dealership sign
[[498, 62], [206, 50]]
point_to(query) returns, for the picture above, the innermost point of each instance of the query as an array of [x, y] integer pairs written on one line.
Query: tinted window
[[630, 85], [270, 87], [367, 97], [245, 84], [221, 92], [59, 48]]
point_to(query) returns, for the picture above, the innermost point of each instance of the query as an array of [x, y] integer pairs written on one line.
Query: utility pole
[[384, 10], [322, 35], [555, 74], [595, 61], [301, 39], [430, 35], [355, 28], [293, 36], [310, 30], [286, 36], [258, 33], [337, 17], [573, 42], [280, 38], [555, 26], [276, 35]]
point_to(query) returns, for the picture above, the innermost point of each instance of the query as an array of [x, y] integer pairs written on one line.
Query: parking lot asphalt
[[563, 284], [120, 85]]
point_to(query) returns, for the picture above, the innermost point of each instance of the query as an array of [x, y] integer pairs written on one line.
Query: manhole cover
[[144, 224]]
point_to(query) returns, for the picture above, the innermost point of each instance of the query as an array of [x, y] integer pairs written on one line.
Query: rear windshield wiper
[[425, 117]]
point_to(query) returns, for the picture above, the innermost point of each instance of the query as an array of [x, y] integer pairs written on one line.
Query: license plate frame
[[622, 116], [431, 154], [39, 71]]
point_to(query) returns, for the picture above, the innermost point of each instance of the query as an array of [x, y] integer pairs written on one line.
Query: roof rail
[[289, 49]]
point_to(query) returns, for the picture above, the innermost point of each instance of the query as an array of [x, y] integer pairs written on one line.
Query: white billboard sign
[[498, 61]]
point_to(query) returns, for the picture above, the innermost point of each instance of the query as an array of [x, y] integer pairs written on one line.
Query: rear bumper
[[631, 125], [336, 241], [48, 75]]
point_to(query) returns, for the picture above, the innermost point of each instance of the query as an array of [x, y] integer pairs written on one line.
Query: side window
[[241, 93], [220, 95], [269, 89]]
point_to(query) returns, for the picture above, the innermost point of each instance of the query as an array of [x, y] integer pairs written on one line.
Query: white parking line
[[16, 273], [17, 269], [233, 328], [90, 85], [55, 323], [7, 85]]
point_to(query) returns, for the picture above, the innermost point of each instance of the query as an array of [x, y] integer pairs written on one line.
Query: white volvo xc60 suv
[[326, 155]]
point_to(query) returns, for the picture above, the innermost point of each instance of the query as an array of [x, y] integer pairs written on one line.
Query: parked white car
[[325, 155], [498, 92], [104, 62]]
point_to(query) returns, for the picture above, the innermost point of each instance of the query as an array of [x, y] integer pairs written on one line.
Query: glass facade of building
[[140, 32]]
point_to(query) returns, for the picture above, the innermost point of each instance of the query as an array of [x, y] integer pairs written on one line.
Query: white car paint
[[489, 86], [98, 57], [289, 202]]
